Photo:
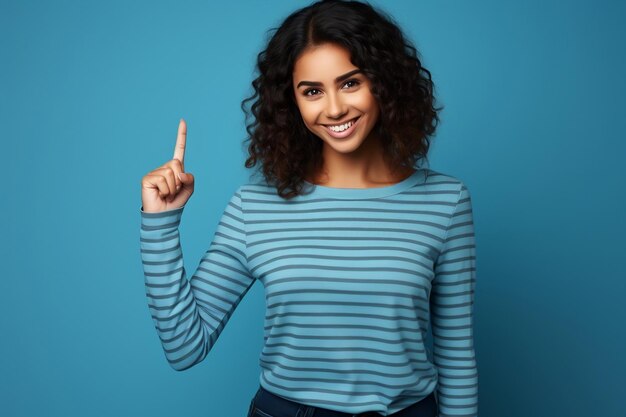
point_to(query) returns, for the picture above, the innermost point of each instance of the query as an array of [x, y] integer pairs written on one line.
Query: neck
[[363, 168]]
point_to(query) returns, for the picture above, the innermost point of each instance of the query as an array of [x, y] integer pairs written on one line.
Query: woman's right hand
[[168, 187]]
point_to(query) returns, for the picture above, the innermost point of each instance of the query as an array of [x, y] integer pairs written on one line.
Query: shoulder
[[251, 188], [436, 177], [444, 182], [256, 194]]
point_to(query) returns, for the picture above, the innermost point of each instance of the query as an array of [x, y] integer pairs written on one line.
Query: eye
[[306, 92], [356, 82]]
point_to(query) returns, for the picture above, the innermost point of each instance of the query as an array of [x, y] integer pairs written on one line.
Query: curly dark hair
[[402, 87]]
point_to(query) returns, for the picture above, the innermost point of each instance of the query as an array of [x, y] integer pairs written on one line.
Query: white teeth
[[341, 128]]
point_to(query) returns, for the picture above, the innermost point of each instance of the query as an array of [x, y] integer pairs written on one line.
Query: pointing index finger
[[181, 141]]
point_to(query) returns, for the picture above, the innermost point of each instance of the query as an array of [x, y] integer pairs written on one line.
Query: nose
[[335, 108]]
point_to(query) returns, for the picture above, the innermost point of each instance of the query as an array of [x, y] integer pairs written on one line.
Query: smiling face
[[330, 92]]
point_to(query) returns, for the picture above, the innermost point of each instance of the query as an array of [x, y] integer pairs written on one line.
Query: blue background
[[90, 98]]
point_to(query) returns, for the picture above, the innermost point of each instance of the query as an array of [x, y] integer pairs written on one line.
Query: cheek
[[375, 110], [308, 113], [371, 100], [372, 106], [364, 100]]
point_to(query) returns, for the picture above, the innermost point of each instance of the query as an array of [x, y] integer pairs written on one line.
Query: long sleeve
[[189, 315], [452, 302]]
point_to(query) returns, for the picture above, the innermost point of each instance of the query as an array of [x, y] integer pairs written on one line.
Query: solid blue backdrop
[[90, 99]]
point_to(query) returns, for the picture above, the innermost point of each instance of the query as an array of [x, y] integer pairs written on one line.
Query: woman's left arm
[[452, 300]]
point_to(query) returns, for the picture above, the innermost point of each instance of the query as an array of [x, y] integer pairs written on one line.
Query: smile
[[342, 130]]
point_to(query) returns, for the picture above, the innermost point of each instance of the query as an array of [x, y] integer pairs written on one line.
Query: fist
[[168, 187]]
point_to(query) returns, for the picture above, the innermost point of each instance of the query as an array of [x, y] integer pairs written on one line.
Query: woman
[[358, 249]]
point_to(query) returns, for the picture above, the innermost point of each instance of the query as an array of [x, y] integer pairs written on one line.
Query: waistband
[[269, 403]]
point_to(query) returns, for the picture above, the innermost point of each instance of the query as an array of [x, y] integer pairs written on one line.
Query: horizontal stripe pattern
[[352, 280], [189, 315]]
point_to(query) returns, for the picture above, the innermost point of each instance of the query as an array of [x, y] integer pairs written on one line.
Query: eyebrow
[[338, 79]]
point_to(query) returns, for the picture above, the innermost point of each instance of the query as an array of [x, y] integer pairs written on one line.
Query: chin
[[346, 147]]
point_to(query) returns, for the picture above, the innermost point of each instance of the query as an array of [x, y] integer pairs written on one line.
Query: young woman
[[358, 248]]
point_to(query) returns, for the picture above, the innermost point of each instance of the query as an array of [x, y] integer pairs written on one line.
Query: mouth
[[344, 129]]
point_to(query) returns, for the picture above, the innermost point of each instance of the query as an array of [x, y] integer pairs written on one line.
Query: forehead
[[322, 63]]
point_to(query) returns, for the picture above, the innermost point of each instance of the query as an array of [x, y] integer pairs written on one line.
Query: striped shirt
[[353, 277]]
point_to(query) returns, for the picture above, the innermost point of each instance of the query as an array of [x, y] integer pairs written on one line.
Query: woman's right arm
[[189, 315]]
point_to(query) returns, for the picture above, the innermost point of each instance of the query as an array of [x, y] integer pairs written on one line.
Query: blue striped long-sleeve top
[[353, 277]]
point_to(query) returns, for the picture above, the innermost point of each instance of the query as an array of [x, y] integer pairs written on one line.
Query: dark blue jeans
[[266, 404]]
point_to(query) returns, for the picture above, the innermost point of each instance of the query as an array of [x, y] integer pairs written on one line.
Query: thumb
[[186, 178], [187, 182]]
